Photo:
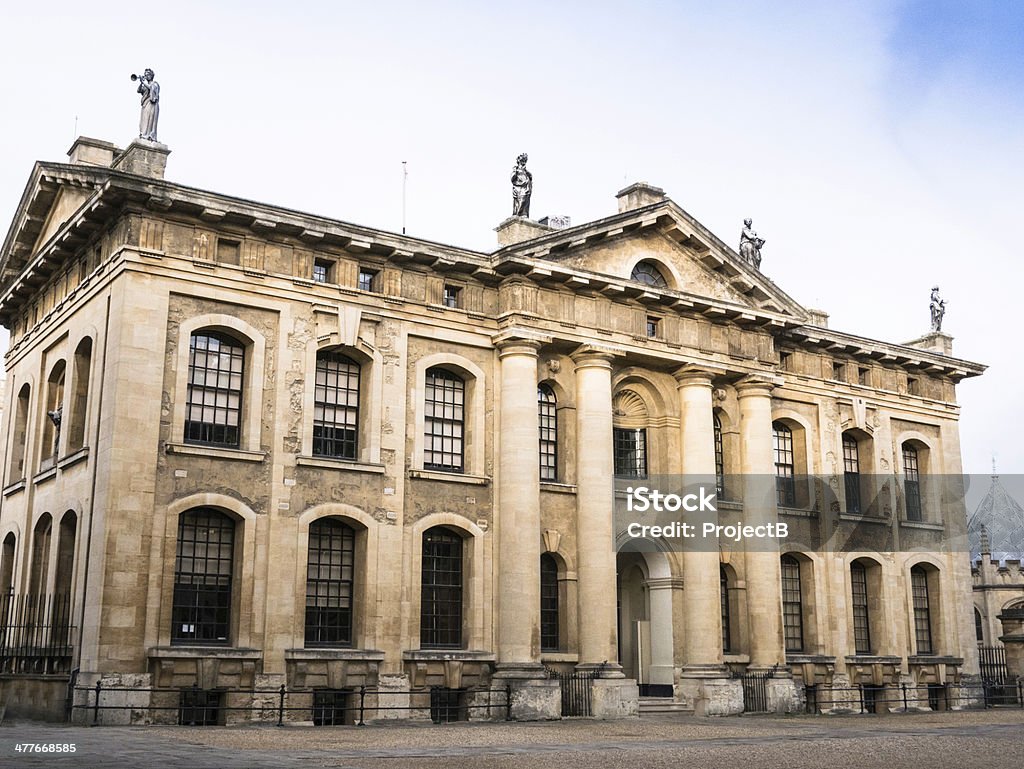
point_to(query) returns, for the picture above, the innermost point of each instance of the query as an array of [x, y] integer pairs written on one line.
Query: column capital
[[755, 385], [693, 375], [515, 341], [592, 356]]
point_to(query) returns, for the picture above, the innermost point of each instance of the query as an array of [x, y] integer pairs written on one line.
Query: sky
[[876, 145]]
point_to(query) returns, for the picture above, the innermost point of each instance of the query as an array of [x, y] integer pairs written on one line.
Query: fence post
[[508, 702], [860, 692], [96, 705], [280, 707], [903, 687], [945, 695], [362, 705]]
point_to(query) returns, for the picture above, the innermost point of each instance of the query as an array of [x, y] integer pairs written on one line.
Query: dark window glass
[[329, 583], [911, 482], [213, 405], [367, 279], [851, 473], [646, 272], [548, 433], [719, 459], [322, 271], [444, 421], [201, 612], [331, 707], [652, 327], [785, 481], [441, 590], [861, 626], [200, 707], [548, 603], [451, 296], [922, 613], [723, 583], [792, 605], [336, 407], [979, 627], [630, 447]]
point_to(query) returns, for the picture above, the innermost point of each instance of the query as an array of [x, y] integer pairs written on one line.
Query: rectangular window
[[792, 605], [912, 483], [913, 386], [200, 707], [444, 423], [213, 405], [323, 271], [861, 626], [452, 296], [839, 371], [228, 251], [785, 361], [922, 613], [368, 279], [630, 452], [723, 593], [336, 407], [851, 474], [548, 419], [447, 705], [785, 474], [332, 707], [329, 576], [201, 610], [864, 376], [652, 327], [548, 603], [441, 590]]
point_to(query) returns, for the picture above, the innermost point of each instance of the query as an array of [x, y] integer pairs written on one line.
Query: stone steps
[[661, 706]]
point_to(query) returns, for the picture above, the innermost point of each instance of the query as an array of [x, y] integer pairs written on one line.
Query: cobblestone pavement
[[993, 738]]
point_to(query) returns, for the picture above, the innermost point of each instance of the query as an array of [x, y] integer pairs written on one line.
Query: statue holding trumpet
[[150, 90]]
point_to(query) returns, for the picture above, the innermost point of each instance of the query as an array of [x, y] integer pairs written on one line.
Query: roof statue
[[938, 310], [522, 187], [150, 90], [750, 245]]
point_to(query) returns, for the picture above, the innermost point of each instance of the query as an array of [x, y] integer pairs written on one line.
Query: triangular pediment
[[692, 260]]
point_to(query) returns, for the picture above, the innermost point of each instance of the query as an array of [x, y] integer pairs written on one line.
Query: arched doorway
[[645, 621]]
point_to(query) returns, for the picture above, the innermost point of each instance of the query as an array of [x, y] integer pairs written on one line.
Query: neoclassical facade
[[246, 446]]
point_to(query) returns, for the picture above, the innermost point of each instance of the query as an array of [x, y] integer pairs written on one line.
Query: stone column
[[595, 501], [662, 666], [704, 681], [518, 524], [763, 573]]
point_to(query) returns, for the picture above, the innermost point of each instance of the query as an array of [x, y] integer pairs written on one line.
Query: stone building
[[247, 447]]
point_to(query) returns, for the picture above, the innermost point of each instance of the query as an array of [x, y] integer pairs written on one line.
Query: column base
[[606, 669], [519, 671], [783, 695], [710, 695], [613, 698], [535, 699], [704, 671]]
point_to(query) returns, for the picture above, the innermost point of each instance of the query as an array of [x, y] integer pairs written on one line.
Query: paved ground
[[927, 741]]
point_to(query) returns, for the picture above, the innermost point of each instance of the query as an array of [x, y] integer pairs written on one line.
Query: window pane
[[201, 609], [444, 426], [215, 385], [329, 587], [441, 590], [336, 407]]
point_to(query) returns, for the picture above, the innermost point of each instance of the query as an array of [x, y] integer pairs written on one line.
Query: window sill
[[191, 652], [558, 488], [934, 659], [442, 655], [14, 488], [340, 464], [334, 653], [802, 658], [922, 525], [873, 659], [45, 475], [439, 475], [797, 512], [865, 518], [74, 458], [215, 452]]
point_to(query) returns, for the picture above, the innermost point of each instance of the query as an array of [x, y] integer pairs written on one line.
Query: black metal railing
[[870, 698], [36, 634], [195, 706], [755, 691], [576, 687]]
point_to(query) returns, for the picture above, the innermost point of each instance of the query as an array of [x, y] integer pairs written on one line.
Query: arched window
[[548, 433], [548, 603], [441, 590], [979, 626], [7, 571], [329, 583], [40, 572], [444, 422], [922, 611], [203, 571], [912, 482], [719, 459], [336, 407], [213, 407], [65, 554], [861, 608], [723, 582], [792, 605], [80, 400], [851, 473], [785, 470], [20, 433], [647, 272]]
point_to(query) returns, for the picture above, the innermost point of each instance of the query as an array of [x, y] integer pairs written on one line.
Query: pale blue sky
[[876, 145]]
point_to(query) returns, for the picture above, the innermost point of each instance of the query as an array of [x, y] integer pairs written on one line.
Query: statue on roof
[[522, 187], [150, 90], [750, 245], [938, 310]]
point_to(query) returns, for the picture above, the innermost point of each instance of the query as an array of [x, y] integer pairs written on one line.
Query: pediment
[[693, 261]]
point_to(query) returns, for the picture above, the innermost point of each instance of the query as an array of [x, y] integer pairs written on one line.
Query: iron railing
[[36, 634], [868, 698], [575, 687], [196, 706]]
